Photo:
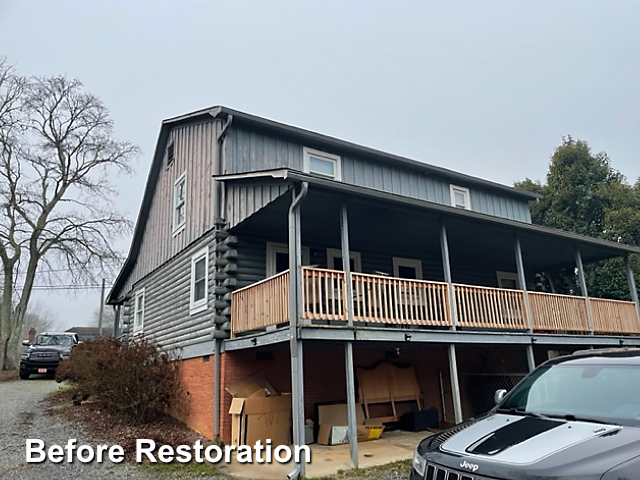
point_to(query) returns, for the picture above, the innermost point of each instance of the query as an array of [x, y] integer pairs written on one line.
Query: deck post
[[295, 312], [348, 351], [453, 363], [455, 384], [583, 287], [522, 279], [632, 283]]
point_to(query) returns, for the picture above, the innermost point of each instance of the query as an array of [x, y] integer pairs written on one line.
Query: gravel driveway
[[23, 415]]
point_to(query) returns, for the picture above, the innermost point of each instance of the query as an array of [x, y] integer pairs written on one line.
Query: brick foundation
[[197, 377], [325, 378]]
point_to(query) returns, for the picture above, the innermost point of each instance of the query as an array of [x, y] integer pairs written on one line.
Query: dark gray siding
[[245, 200], [251, 262], [247, 151], [195, 148], [167, 293]]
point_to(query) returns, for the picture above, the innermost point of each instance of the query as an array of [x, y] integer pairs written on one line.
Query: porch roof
[[543, 247]]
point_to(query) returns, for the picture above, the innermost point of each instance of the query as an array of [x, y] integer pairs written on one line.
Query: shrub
[[135, 379]]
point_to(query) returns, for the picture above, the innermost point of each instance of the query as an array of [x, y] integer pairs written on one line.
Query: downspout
[[220, 197], [295, 312]]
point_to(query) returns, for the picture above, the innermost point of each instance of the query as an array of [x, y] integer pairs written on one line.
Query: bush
[[134, 379]]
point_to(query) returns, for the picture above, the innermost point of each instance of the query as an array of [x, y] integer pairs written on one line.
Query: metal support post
[[522, 280], [348, 351], [583, 287], [632, 283]]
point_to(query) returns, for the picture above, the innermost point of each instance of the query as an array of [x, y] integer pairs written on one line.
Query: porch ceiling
[[379, 225]]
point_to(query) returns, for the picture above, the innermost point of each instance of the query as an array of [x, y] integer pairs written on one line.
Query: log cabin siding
[[247, 151], [195, 150], [167, 300]]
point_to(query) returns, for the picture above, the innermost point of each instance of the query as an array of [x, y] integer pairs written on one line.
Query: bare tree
[[58, 158], [108, 320]]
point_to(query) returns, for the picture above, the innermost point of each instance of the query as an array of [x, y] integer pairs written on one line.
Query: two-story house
[[239, 258]]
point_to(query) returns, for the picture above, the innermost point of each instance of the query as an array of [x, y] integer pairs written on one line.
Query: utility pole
[[101, 309]]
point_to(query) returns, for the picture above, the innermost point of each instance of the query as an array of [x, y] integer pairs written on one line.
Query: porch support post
[[295, 312], [632, 283], [348, 351], [453, 363], [527, 308], [583, 288]]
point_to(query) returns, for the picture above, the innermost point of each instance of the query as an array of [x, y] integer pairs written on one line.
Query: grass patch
[[189, 470], [8, 375], [390, 471]]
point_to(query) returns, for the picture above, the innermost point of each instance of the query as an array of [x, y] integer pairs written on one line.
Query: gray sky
[[485, 88]]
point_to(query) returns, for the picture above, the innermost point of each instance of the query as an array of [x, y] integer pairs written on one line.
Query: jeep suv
[[45, 353], [573, 417]]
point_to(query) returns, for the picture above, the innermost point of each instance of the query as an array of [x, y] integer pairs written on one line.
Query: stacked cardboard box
[[333, 423], [258, 412]]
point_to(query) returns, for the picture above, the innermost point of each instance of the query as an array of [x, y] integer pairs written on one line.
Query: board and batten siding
[[247, 151], [195, 150], [167, 293], [245, 200]]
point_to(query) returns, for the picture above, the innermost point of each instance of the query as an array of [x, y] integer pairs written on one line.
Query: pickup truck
[[573, 418], [45, 353]]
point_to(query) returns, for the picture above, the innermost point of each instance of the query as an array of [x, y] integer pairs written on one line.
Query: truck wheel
[[24, 375]]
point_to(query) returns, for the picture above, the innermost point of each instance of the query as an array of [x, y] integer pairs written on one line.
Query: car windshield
[[54, 340], [575, 391]]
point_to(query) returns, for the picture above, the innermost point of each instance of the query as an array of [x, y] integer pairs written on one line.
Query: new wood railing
[[486, 307], [379, 299], [382, 300], [614, 316], [559, 313], [261, 304]]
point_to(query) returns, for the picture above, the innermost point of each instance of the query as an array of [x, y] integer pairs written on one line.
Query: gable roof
[[305, 136]]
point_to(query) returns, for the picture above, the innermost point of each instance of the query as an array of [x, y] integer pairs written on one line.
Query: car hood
[[49, 348], [513, 446]]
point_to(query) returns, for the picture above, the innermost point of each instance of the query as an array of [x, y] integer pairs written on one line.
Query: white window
[[334, 260], [179, 203], [460, 197], [199, 281], [407, 268], [138, 312], [278, 257], [508, 280], [321, 163]]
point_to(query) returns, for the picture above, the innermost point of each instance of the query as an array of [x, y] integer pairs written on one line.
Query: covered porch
[[381, 267]]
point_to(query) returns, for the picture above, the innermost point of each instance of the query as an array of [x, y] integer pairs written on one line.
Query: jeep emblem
[[469, 466]]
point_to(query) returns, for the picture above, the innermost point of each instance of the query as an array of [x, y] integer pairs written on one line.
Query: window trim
[[453, 189], [333, 253], [135, 329], [501, 275], [273, 248], [330, 157], [407, 262], [180, 227], [197, 306]]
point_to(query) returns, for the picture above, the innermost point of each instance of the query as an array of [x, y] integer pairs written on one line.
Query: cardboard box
[[334, 420], [259, 413], [254, 386]]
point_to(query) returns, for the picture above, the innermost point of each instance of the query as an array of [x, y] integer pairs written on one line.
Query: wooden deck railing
[[382, 300], [559, 313], [614, 316], [261, 304], [486, 307], [379, 299]]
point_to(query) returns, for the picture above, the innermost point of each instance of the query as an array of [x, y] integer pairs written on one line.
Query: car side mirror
[[25, 343], [499, 395]]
